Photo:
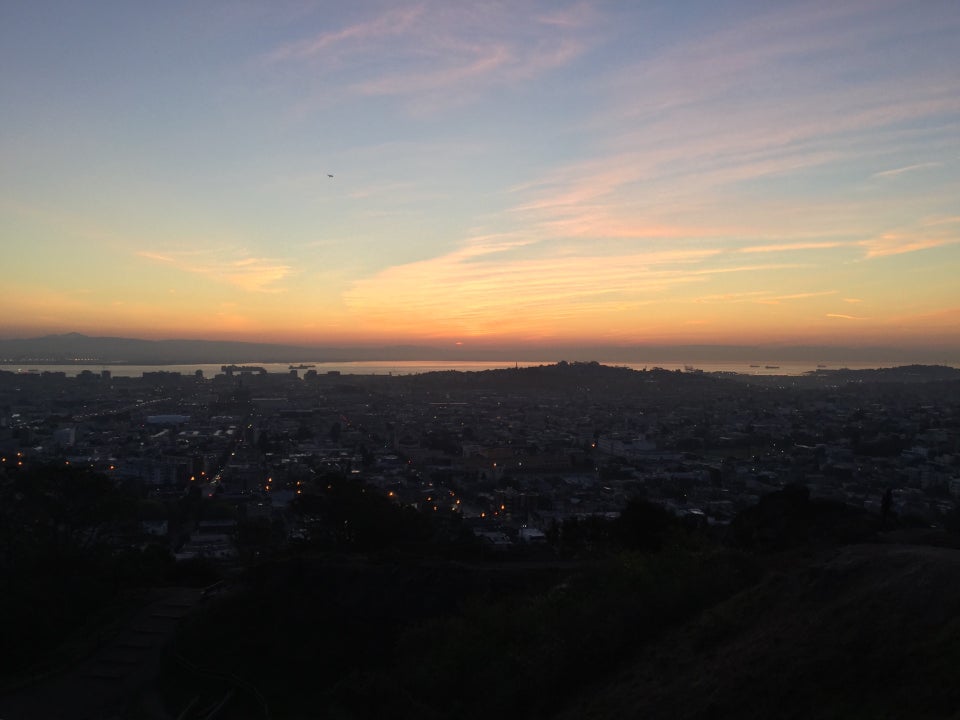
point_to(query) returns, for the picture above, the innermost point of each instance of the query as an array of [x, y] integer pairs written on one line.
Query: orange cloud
[[760, 296], [493, 286], [930, 234], [251, 274], [787, 247]]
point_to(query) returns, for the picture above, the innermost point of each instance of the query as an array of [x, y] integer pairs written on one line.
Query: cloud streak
[[790, 247], [762, 297], [250, 274], [907, 169], [396, 22], [927, 235], [436, 55], [489, 285]]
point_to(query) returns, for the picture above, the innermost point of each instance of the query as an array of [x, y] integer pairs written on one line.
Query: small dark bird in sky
[[329, 175]]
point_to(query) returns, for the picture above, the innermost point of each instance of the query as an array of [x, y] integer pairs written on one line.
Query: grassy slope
[[687, 628], [863, 631]]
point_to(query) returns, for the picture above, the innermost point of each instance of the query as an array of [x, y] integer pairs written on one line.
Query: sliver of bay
[[415, 367]]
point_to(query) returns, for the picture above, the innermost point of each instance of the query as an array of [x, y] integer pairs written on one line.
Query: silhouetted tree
[[642, 525]]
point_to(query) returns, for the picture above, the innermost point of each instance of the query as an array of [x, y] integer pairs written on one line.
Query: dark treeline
[[386, 611], [73, 559], [397, 613]]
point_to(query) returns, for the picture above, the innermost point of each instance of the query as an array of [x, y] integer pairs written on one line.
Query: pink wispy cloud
[[682, 109], [482, 62], [393, 22], [574, 16], [435, 55]]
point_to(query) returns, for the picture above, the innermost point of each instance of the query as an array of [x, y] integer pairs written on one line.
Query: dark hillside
[[576, 379], [867, 631]]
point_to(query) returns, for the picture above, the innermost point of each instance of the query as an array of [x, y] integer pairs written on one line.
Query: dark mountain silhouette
[[76, 347]]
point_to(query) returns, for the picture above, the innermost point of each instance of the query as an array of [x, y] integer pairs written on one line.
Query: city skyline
[[484, 175]]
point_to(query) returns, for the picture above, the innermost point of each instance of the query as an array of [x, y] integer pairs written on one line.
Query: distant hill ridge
[[79, 348]]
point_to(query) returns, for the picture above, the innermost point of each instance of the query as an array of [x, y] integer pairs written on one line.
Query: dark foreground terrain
[[865, 631], [801, 608], [689, 629], [812, 611]]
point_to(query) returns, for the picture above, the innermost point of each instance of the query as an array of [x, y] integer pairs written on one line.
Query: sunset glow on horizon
[[483, 174]]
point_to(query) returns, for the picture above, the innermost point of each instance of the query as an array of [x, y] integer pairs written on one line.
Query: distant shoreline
[[765, 368]]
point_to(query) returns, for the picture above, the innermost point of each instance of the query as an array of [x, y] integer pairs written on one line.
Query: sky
[[483, 174]]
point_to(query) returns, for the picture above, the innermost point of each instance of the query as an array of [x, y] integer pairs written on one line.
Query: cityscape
[[536, 473], [519, 448], [553, 359]]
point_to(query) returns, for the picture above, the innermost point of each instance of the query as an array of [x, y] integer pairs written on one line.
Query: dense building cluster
[[511, 454]]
